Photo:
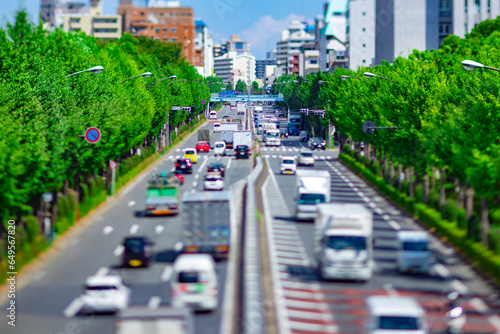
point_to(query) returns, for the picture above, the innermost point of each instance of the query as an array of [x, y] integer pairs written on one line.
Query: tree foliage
[[241, 85]]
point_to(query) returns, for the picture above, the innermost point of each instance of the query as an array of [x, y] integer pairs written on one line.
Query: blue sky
[[259, 21]]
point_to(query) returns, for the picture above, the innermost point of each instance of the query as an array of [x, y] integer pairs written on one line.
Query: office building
[[272, 54], [260, 67], [332, 36], [54, 11], [235, 45], [204, 58], [288, 48], [360, 33], [308, 59], [168, 24], [94, 23], [231, 67]]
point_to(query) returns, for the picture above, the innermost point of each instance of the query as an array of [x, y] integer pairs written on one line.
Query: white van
[[213, 115], [414, 255], [216, 127], [194, 282], [391, 314], [220, 148]]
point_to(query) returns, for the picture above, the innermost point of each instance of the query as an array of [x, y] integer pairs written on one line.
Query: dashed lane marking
[[154, 302], [131, 203], [159, 229], [103, 271], [166, 274], [134, 228], [395, 225], [73, 308], [107, 230], [118, 250]]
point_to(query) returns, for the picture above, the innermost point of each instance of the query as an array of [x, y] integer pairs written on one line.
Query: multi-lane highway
[[48, 302], [306, 304]]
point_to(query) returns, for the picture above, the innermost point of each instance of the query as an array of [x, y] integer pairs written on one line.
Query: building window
[[74, 20], [157, 39], [364, 29], [165, 29], [174, 39], [165, 39], [75, 29], [105, 20], [364, 61], [142, 14], [364, 13], [157, 30], [107, 30], [173, 30]]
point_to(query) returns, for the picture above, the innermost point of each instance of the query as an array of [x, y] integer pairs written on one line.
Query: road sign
[[93, 135], [203, 101], [112, 164], [223, 95], [248, 100], [368, 127], [176, 108], [246, 93]]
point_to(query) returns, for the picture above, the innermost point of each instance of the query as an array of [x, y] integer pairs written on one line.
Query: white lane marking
[[173, 169], [196, 176], [193, 191], [379, 211], [154, 302], [280, 156], [107, 230], [156, 168], [178, 246], [386, 217], [134, 228], [274, 156], [355, 189], [395, 225], [373, 205], [100, 218], [361, 194], [309, 315], [166, 274], [103, 271], [459, 287], [441, 270], [479, 305], [302, 294], [159, 229], [366, 199], [229, 163], [203, 164], [303, 304], [195, 184], [390, 289], [73, 308], [350, 184], [177, 157], [292, 262], [299, 285], [289, 150], [495, 321], [323, 157], [178, 150], [118, 250], [306, 326]]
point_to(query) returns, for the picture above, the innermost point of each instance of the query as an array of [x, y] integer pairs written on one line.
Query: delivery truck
[[343, 234], [161, 320], [233, 126], [313, 188], [242, 138], [214, 137], [227, 137], [206, 223], [204, 135], [162, 199]]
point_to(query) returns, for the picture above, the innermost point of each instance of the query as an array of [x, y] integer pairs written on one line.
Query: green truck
[[162, 199]]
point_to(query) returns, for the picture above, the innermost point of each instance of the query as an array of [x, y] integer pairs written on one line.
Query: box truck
[[313, 187], [242, 138]]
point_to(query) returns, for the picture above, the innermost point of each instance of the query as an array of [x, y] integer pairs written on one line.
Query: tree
[[255, 86], [241, 85], [229, 85]]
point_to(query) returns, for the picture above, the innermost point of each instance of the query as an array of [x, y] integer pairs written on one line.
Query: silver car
[[306, 158]]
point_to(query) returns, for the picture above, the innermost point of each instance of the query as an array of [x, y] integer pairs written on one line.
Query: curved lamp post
[[369, 75], [95, 69], [470, 65], [146, 75], [171, 77], [345, 77]]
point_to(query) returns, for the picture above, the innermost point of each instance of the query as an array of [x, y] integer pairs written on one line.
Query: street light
[[146, 75], [322, 81], [345, 77], [95, 69], [172, 77], [470, 65], [369, 75]]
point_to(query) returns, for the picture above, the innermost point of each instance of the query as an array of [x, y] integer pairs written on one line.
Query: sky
[[258, 21]]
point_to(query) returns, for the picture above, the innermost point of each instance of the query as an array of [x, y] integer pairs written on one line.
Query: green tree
[[255, 86], [229, 85], [241, 85]]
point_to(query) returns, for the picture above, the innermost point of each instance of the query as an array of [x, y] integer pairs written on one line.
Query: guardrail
[[253, 320]]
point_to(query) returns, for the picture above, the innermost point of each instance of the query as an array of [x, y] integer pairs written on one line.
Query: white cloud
[[264, 33]]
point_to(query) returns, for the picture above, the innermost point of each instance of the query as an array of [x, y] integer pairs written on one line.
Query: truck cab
[[414, 255], [273, 137], [313, 187]]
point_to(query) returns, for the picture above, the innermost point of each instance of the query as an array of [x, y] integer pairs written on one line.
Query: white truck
[[313, 187], [257, 110], [213, 115], [343, 239], [229, 126], [273, 137], [241, 107], [143, 320], [242, 138], [265, 128], [206, 223]]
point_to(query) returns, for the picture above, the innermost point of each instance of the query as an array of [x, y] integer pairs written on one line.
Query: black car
[[225, 117], [242, 151], [216, 167], [317, 143], [137, 252], [284, 132], [184, 165]]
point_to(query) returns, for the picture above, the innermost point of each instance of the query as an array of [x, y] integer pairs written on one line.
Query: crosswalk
[[316, 157]]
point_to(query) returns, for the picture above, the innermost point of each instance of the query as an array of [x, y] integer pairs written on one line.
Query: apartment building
[[203, 49], [260, 67], [232, 67], [288, 48]]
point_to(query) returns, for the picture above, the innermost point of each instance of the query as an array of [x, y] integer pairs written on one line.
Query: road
[[47, 303], [305, 304]]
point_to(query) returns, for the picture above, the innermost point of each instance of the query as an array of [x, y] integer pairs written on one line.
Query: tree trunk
[[442, 193], [485, 223], [461, 194], [53, 209], [367, 151], [391, 170], [469, 201], [380, 162], [433, 185], [412, 182], [400, 171], [425, 188], [66, 187], [374, 153]]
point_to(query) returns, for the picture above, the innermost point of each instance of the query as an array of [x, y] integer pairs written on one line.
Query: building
[[204, 58], [236, 45], [331, 38], [53, 11], [232, 67], [48, 11], [308, 59], [217, 50], [272, 54], [94, 23], [465, 15], [360, 33], [288, 48], [168, 24], [260, 67]]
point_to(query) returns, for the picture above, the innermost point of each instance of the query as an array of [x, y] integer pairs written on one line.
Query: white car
[[213, 181], [194, 282], [216, 127], [288, 165], [220, 148], [306, 158], [104, 294]]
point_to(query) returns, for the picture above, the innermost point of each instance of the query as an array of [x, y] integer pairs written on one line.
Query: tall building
[[288, 48], [48, 11], [54, 11], [232, 67], [260, 67], [272, 54], [204, 58], [169, 24], [360, 33], [308, 59], [236, 45], [332, 36], [217, 50]]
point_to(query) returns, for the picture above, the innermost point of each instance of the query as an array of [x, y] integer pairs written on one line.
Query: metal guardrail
[[253, 316]]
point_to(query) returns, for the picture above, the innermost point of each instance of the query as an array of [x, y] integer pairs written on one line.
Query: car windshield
[[312, 198], [101, 287], [215, 165], [190, 152], [346, 242], [192, 277], [307, 155], [288, 161], [318, 140], [134, 245], [420, 246], [212, 177], [219, 145], [401, 323], [272, 134]]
